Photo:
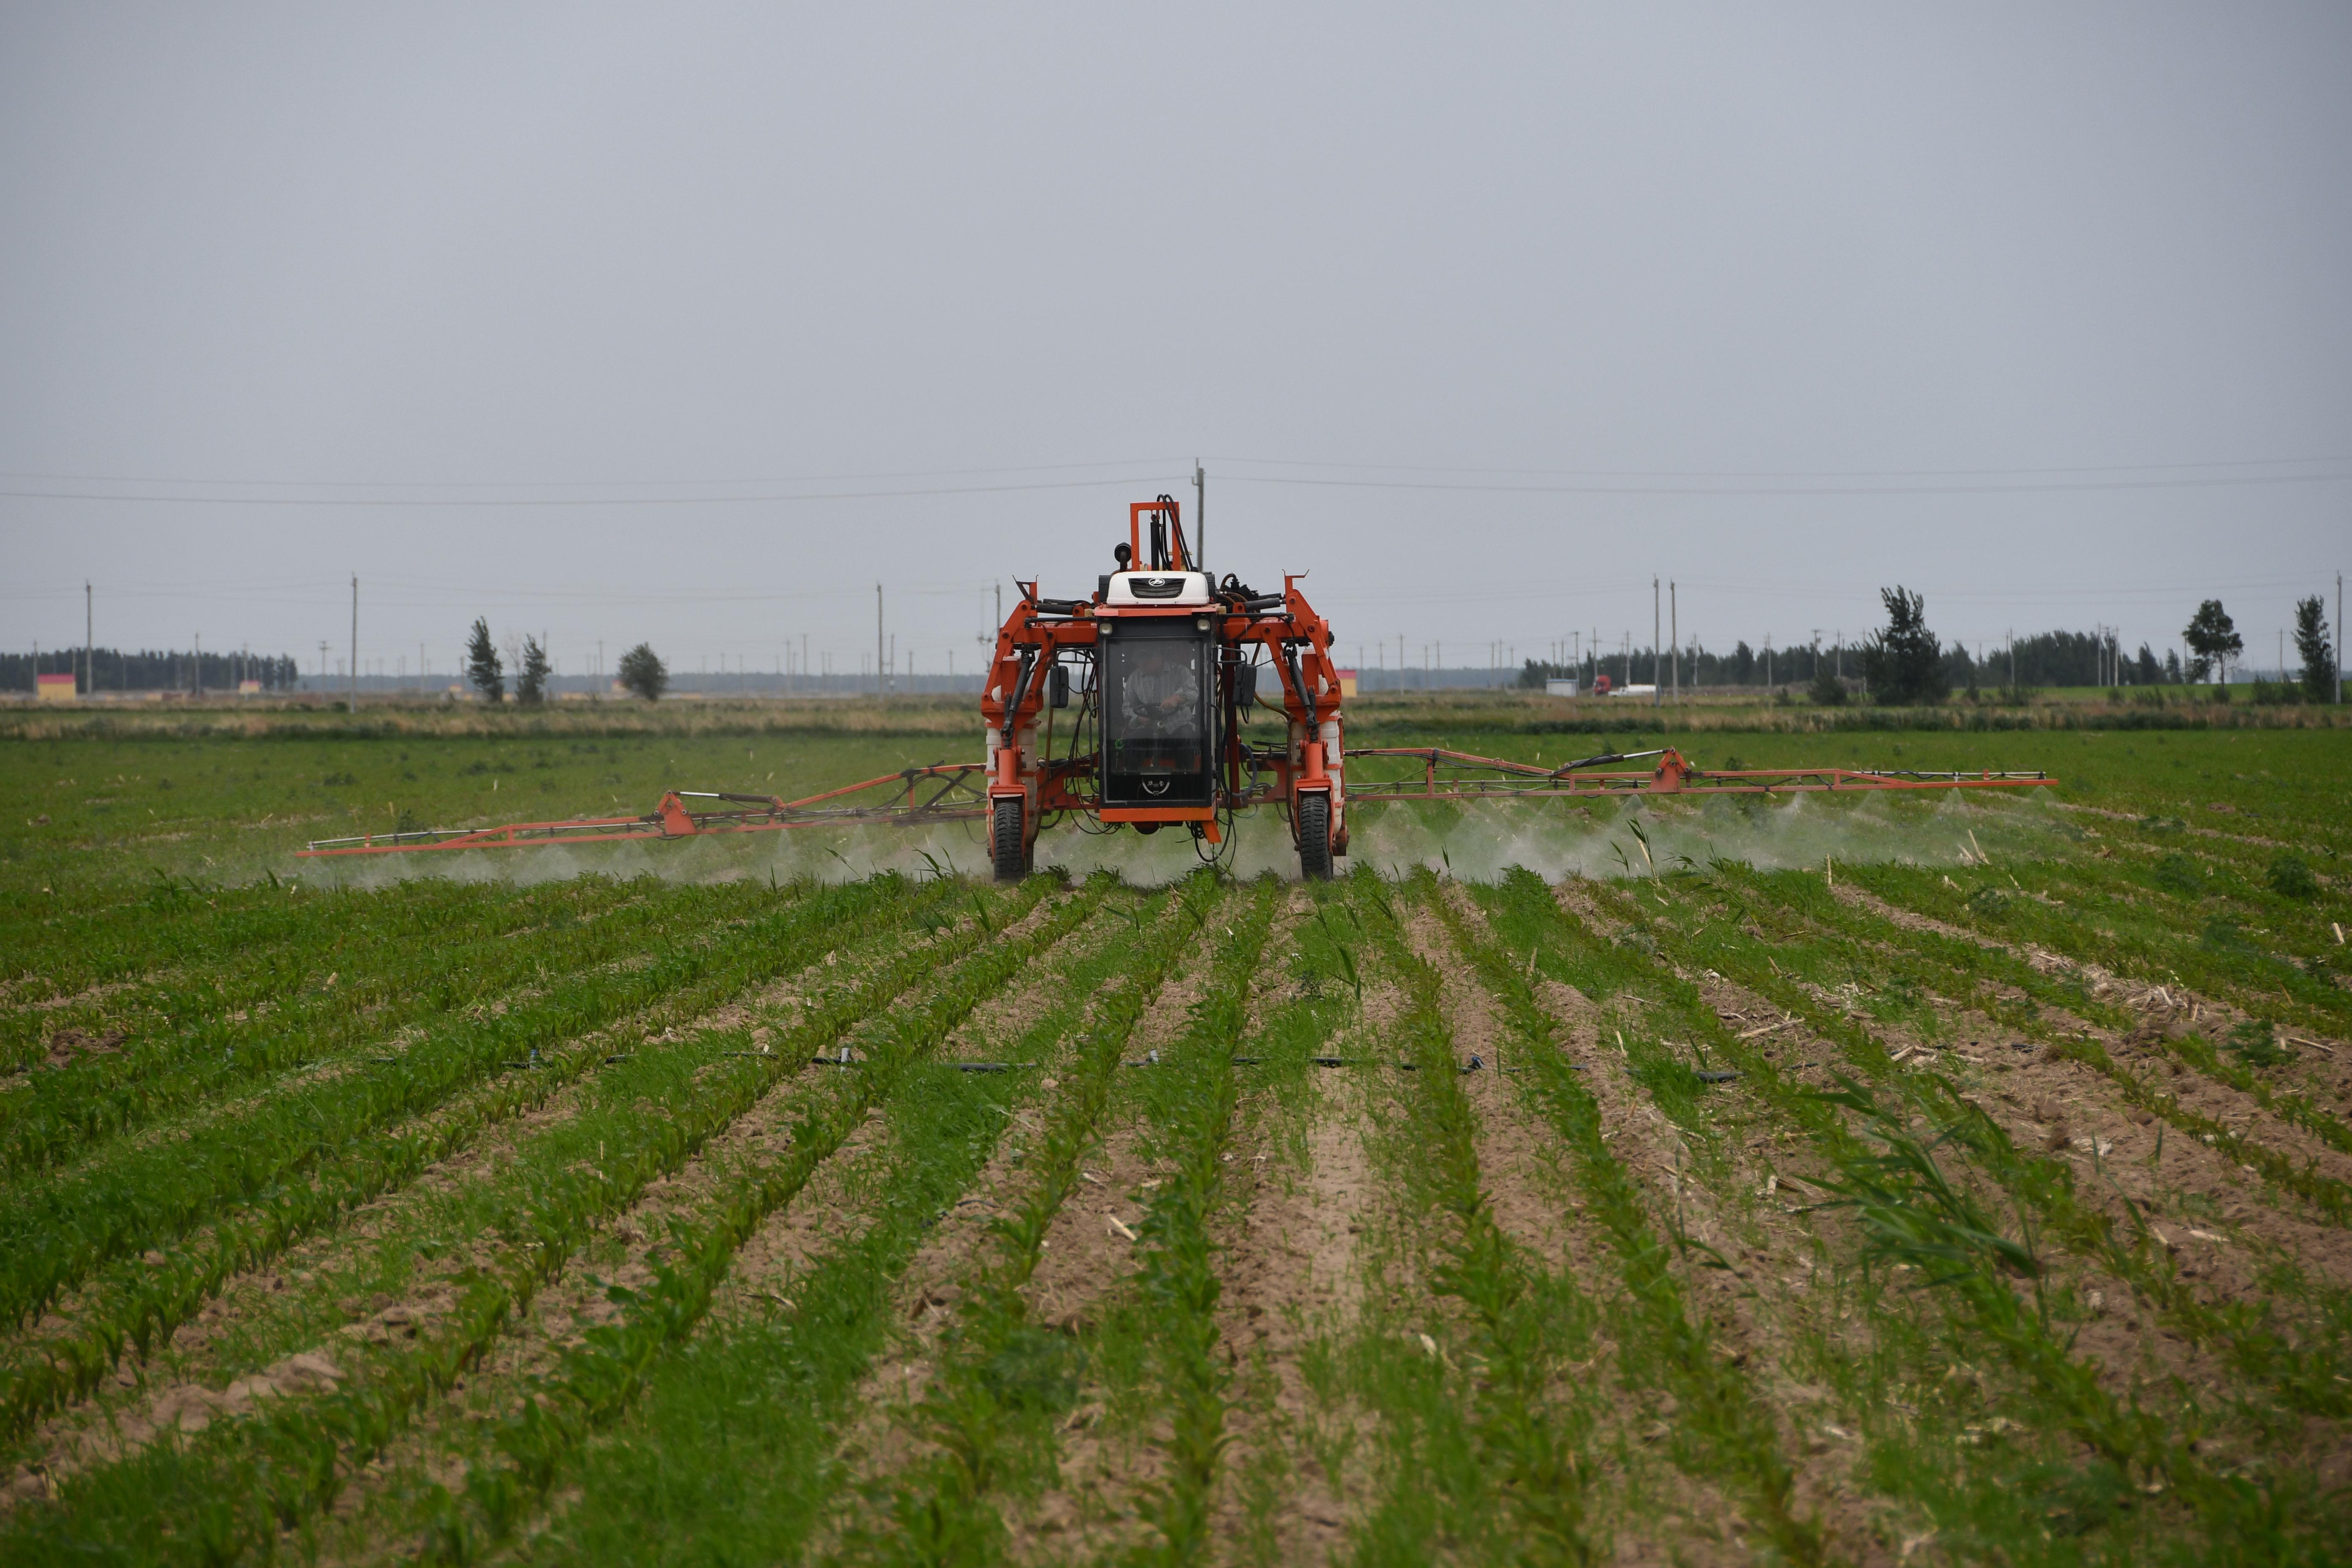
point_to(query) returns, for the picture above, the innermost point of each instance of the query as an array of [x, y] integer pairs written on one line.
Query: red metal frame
[[1038, 631], [957, 800], [1672, 776]]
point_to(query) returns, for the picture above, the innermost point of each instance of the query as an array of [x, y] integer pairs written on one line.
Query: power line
[[2045, 487], [1803, 473], [581, 484], [550, 502]]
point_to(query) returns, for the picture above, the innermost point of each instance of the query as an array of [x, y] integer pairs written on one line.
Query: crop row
[[2304, 1372], [1966, 965], [2184, 944], [1929, 963], [187, 950], [602, 1376], [235, 1487], [1188, 1104], [165, 1072], [1569, 951], [695, 1474], [1723, 1430], [1994, 1288], [1504, 1462], [134, 1302], [1003, 1383], [143, 1196]]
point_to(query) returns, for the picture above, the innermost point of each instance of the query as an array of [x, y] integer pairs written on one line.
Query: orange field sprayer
[[1161, 674]]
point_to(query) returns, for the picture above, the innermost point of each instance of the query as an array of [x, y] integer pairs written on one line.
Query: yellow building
[[54, 687]]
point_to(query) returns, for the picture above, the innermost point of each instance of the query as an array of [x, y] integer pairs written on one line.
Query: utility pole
[[1674, 624], [2340, 637], [1655, 695], [200, 664], [355, 642], [88, 650], [805, 669], [878, 687], [1200, 515]]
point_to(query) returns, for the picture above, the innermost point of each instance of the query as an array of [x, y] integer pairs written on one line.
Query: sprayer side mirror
[[1245, 688], [1057, 687]]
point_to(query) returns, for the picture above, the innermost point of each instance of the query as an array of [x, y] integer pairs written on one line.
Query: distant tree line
[[1904, 662], [150, 669], [1704, 665], [641, 670]]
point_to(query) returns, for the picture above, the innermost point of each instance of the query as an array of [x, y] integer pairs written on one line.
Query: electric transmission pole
[[1200, 515], [1655, 695], [355, 642], [878, 686]]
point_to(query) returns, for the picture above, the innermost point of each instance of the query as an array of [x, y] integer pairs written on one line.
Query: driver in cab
[[1160, 696]]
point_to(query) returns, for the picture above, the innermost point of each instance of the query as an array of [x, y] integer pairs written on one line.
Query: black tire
[[1011, 855], [1315, 838]]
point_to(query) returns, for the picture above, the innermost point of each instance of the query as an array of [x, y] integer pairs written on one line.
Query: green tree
[[531, 680], [2213, 641], [2312, 642], [642, 672], [1903, 663], [484, 667], [1827, 689]]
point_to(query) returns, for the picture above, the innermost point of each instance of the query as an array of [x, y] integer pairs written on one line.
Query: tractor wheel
[[1011, 855], [1315, 838]]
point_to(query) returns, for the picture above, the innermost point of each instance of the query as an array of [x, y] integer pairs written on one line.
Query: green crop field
[[1876, 1180]]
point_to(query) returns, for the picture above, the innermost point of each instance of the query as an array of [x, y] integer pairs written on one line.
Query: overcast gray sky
[[692, 322]]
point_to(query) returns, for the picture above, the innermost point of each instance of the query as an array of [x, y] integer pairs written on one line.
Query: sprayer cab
[[1167, 664]]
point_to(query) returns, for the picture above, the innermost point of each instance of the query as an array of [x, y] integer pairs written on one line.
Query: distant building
[[1557, 687], [1346, 683], [53, 688], [248, 689]]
